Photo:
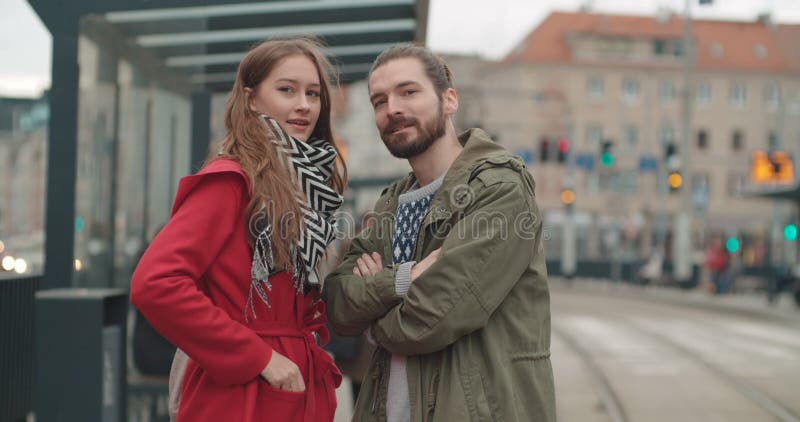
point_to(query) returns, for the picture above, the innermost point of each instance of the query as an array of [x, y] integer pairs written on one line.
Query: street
[[623, 354]]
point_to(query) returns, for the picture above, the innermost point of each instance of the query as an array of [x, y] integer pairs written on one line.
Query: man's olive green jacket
[[475, 326]]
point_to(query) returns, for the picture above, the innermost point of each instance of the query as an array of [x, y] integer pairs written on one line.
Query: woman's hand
[[283, 374]]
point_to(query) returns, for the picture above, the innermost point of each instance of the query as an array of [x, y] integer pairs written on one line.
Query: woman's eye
[[410, 91], [313, 93], [286, 89]]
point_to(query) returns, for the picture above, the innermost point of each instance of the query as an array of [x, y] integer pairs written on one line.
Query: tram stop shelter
[[133, 80], [132, 86]]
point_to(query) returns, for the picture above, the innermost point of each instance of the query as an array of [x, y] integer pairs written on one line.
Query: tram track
[[756, 395], [760, 397], [612, 404]]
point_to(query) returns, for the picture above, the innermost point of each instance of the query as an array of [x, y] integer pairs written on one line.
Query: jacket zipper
[[378, 384]]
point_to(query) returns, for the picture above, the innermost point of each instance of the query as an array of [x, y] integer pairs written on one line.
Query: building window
[[772, 96], [735, 184], [703, 93], [667, 133], [738, 95], [700, 187], [760, 51], [677, 48], [594, 133], [737, 140], [660, 47], [630, 90], [793, 102], [631, 136], [702, 139], [667, 92], [595, 88], [717, 50], [772, 140]]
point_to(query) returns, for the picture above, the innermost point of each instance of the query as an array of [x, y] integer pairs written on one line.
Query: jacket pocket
[[531, 374], [430, 397], [281, 404], [475, 395]]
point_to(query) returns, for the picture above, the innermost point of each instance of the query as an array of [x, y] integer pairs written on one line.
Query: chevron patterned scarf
[[311, 165]]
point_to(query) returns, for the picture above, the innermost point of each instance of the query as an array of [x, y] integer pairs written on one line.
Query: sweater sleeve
[[164, 285], [354, 302]]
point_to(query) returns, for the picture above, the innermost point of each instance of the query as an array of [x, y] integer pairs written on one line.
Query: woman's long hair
[[248, 142]]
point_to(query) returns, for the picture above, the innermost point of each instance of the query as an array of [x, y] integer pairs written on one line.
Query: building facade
[[23, 159], [588, 83]]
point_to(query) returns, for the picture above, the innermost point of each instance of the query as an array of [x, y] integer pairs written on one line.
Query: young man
[[450, 280]]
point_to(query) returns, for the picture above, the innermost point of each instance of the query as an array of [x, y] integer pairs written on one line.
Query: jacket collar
[[455, 193]]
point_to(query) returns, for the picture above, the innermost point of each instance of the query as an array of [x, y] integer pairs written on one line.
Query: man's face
[[410, 116]]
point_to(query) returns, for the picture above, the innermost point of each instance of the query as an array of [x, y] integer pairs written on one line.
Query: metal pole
[[148, 118], [683, 220], [201, 129], [114, 182], [62, 157], [568, 245]]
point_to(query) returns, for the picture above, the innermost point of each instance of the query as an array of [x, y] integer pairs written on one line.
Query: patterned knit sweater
[[411, 210]]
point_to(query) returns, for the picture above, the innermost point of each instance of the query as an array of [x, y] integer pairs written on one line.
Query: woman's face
[[290, 94]]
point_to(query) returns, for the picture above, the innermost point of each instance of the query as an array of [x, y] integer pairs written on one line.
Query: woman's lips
[[300, 125]]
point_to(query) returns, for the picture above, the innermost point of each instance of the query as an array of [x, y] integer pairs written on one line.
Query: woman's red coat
[[192, 284]]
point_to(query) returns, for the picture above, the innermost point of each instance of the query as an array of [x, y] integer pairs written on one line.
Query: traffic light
[[790, 232], [563, 150], [673, 164], [544, 150], [675, 181], [732, 245], [567, 196], [671, 159], [607, 154]]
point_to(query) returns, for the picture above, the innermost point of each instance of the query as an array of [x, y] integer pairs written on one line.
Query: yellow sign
[[783, 167], [774, 168]]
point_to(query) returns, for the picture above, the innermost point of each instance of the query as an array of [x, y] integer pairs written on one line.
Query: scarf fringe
[[263, 263]]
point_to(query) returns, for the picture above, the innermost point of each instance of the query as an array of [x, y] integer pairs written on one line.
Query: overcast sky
[[489, 28]]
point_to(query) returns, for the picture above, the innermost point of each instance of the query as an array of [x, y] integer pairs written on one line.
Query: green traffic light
[[732, 245], [790, 232], [78, 224], [607, 160]]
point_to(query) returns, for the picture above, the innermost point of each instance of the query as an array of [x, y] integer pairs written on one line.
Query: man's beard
[[399, 145]]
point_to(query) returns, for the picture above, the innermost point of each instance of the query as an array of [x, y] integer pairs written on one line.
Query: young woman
[[231, 279]]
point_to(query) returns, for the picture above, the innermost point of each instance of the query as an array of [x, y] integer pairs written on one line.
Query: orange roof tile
[[789, 40], [738, 40]]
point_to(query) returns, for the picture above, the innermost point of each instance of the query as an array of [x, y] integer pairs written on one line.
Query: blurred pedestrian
[[717, 261], [232, 278], [652, 270], [450, 281]]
